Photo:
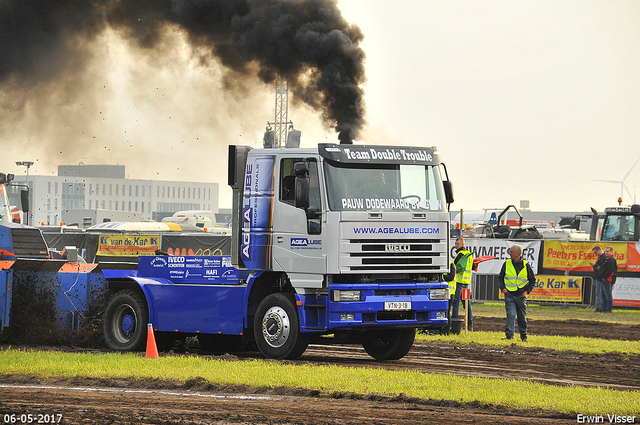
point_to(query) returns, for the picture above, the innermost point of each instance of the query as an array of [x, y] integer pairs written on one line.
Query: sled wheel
[[125, 322]]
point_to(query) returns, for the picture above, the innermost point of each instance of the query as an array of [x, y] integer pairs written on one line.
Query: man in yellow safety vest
[[516, 280], [450, 278], [464, 265]]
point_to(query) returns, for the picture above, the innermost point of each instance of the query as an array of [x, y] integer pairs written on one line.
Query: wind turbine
[[623, 186]]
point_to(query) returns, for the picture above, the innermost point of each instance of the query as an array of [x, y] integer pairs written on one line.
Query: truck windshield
[[619, 228], [396, 187]]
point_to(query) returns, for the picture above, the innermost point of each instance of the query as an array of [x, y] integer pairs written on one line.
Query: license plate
[[397, 305]]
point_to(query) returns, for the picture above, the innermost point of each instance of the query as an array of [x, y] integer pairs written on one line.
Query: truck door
[[298, 244]]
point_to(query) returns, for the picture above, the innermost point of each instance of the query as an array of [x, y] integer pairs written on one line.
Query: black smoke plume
[[306, 42]]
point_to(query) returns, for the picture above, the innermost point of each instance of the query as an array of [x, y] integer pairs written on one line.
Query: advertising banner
[[256, 213], [556, 289], [633, 257], [575, 256], [190, 269], [128, 245], [626, 292], [196, 245], [498, 248]]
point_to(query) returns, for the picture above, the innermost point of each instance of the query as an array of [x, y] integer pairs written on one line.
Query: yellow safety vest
[[514, 281], [464, 277], [452, 285]]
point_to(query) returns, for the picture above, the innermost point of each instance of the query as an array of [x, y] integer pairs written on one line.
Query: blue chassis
[[199, 304]]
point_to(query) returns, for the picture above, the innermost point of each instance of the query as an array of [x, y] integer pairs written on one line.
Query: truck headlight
[[345, 296], [439, 294]]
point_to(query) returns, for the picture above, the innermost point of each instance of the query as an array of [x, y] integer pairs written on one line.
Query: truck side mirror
[[24, 200], [448, 191], [302, 192], [301, 170]]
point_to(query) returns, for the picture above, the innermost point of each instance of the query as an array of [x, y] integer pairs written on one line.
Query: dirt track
[[123, 401]]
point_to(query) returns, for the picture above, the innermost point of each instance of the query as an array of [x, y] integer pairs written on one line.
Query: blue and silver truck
[[335, 244]]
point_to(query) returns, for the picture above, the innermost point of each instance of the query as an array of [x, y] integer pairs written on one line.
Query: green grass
[[559, 343], [327, 379], [548, 312]]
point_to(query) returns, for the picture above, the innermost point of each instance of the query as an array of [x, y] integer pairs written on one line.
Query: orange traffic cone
[[152, 349]]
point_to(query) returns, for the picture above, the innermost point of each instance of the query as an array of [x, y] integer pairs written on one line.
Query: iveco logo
[[397, 247]]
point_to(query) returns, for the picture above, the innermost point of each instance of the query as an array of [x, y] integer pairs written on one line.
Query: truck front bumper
[[379, 305]]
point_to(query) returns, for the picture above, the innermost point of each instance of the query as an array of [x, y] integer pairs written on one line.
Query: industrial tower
[[281, 122], [281, 125], [280, 132]]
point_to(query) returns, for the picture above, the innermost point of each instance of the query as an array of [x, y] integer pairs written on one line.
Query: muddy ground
[[91, 401]]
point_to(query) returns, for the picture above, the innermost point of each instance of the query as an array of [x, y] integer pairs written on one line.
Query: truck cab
[[17, 240], [621, 224], [349, 215], [358, 234]]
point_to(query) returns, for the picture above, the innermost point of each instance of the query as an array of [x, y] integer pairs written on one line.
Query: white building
[[104, 188]]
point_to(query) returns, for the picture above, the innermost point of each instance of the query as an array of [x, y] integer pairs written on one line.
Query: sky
[[534, 100]]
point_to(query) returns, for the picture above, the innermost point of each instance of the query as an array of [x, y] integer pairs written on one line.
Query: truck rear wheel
[[125, 321], [389, 344], [276, 328]]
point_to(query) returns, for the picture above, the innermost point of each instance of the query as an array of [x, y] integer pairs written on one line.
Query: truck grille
[[394, 255]]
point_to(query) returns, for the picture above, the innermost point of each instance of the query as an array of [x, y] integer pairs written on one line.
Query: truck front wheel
[[389, 344], [125, 322], [276, 328]]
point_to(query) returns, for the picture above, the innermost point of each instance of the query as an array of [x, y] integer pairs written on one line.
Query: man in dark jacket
[[597, 276], [608, 276], [517, 280]]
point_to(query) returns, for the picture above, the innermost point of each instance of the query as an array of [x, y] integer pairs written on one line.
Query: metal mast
[[279, 131], [281, 122]]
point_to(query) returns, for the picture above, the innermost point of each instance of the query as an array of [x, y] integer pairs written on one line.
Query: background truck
[[619, 224], [44, 298], [342, 243], [17, 240]]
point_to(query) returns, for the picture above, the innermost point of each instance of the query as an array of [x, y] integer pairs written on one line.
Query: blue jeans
[[607, 301], [456, 303], [516, 306], [599, 295]]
